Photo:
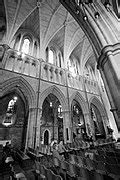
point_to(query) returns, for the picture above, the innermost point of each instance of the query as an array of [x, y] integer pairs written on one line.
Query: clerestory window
[[51, 56], [26, 46]]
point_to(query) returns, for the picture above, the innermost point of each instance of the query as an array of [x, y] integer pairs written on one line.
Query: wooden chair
[[42, 172], [101, 167], [80, 161], [72, 159], [70, 169], [90, 164], [56, 162]]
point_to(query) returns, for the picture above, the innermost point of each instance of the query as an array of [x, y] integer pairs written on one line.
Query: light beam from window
[[25, 46], [51, 56]]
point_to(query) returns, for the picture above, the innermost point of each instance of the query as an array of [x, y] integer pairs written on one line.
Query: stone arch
[[102, 122], [21, 86], [79, 98], [98, 33], [57, 92], [94, 100]]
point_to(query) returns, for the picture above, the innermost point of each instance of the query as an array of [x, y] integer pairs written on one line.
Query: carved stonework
[[1, 52]]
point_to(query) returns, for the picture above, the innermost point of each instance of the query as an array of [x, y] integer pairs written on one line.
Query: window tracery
[[59, 57], [11, 110], [60, 111], [51, 56], [25, 46], [73, 67]]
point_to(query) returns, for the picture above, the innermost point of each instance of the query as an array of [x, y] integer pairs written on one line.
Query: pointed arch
[[50, 22], [49, 135], [23, 20], [79, 98], [57, 92], [94, 30], [94, 100], [20, 85], [99, 117]]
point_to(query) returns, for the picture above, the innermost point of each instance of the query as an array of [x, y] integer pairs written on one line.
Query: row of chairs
[[99, 164], [69, 167], [66, 170], [75, 171], [42, 150], [44, 173], [76, 145], [80, 144]]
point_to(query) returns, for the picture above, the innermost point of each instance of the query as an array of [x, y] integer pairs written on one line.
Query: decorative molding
[[94, 100], [79, 98], [106, 51], [57, 92], [21, 85]]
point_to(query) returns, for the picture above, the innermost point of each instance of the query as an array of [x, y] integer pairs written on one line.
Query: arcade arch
[[14, 119], [51, 120], [98, 117], [78, 120], [20, 88], [58, 93], [83, 123]]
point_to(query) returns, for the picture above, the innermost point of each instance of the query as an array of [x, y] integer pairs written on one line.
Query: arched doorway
[[78, 122], [99, 130], [46, 137], [52, 117], [13, 119]]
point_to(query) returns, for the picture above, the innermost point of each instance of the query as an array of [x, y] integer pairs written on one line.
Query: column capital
[[86, 114], [105, 52], [66, 111], [34, 108]]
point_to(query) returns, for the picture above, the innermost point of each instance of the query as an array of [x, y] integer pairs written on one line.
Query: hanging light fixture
[[107, 5], [60, 111], [82, 3], [93, 8], [82, 7], [50, 104], [39, 3], [96, 14], [85, 18]]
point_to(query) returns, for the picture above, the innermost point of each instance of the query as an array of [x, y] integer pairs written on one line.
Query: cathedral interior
[[60, 81]]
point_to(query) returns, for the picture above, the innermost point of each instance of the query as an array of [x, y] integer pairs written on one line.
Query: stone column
[[38, 128], [32, 48], [3, 55], [88, 124], [105, 124], [109, 66], [29, 136], [67, 124]]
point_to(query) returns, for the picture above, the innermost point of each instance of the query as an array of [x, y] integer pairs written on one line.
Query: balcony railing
[[52, 73], [21, 63], [75, 82], [30, 66], [91, 86]]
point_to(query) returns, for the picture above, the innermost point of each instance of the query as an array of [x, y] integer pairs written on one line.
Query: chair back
[[56, 162]]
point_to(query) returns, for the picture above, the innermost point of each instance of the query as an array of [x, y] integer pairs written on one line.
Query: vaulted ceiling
[[50, 22]]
